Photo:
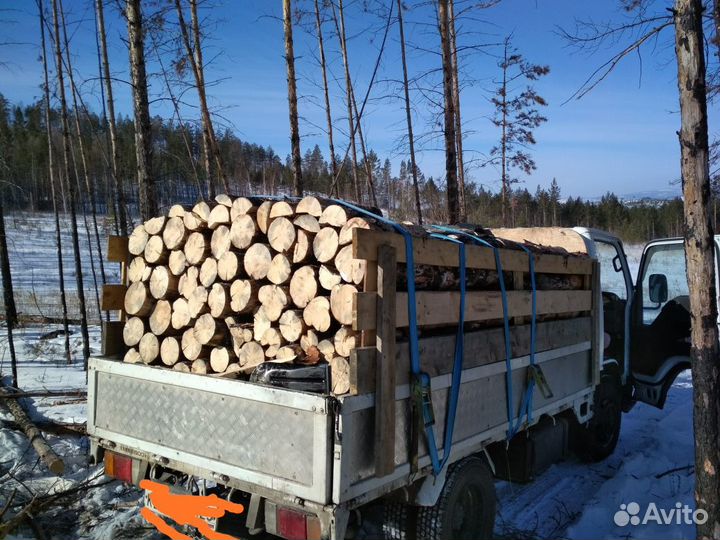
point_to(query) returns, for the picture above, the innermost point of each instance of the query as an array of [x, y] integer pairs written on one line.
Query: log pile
[[221, 288]]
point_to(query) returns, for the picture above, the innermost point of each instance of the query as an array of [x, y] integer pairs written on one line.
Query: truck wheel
[[398, 520], [466, 507], [599, 437]]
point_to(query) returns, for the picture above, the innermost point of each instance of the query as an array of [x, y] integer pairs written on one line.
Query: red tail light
[[118, 466], [296, 525]]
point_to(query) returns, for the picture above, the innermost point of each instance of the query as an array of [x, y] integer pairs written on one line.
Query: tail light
[[296, 525], [118, 466]]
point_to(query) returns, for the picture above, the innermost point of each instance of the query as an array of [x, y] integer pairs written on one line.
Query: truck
[[307, 465]]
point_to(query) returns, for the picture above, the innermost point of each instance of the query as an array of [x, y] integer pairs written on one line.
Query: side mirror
[[658, 288]]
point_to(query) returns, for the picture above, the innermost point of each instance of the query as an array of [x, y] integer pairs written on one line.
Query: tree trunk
[[449, 115], [408, 117], [699, 254], [147, 192], [70, 188], [456, 104], [114, 151], [53, 188], [326, 90], [292, 99], [503, 144], [8, 296]]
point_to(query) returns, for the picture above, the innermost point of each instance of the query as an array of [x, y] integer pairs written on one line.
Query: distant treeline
[[256, 169]]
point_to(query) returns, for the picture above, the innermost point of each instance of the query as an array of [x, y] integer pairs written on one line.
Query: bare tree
[[143, 134], [456, 104], [292, 99], [326, 91], [70, 185], [700, 258], [8, 295]]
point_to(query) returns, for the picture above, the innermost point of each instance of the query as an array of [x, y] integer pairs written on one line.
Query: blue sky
[[621, 137]]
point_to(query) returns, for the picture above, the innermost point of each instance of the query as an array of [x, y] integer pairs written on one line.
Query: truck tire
[[598, 438], [398, 521], [466, 507]]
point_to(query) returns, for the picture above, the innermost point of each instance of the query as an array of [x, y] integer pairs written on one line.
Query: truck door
[[660, 321]]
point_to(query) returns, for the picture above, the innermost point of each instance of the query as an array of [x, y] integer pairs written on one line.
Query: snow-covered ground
[[652, 463]]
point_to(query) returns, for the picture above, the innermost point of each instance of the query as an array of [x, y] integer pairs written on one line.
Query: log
[[133, 330], [346, 234], [163, 284], [243, 296], [340, 375], [309, 205], [250, 356], [180, 314], [328, 277], [239, 333], [341, 303], [243, 231], [345, 341], [220, 215], [228, 266], [272, 339], [261, 323], [220, 242], [333, 215], [219, 300], [281, 234], [197, 303], [307, 340], [208, 271], [170, 351], [192, 349], [175, 234], [177, 263], [287, 354], [155, 225], [43, 449], [281, 209], [209, 331], [183, 367], [280, 269], [138, 300], [257, 261], [303, 286], [176, 210], [224, 199], [197, 218], [221, 358], [274, 300], [292, 325], [302, 247], [262, 216], [132, 356], [196, 248], [138, 270], [155, 252], [189, 281], [149, 348], [137, 240], [350, 270], [240, 207], [325, 244], [317, 314], [161, 318], [307, 223], [200, 365], [327, 349]]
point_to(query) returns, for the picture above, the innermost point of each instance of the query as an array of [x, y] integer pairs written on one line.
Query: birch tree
[[292, 99]]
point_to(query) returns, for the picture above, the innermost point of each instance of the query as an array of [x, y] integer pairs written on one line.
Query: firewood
[[155, 225], [133, 330], [292, 325], [189, 281], [345, 236], [196, 248], [197, 303], [240, 332], [262, 216], [175, 233], [209, 331], [177, 210], [138, 300], [261, 323], [281, 209], [232, 372], [280, 269], [137, 240], [183, 367], [251, 355], [199, 365], [287, 354], [219, 300], [224, 199], [243, 295], [340, 375], [138, 270], [192, 349], [132, 356], [274, 300], [302, 247], [170, 351], [163, 284], [220, 241], [177, 263], [149, 348], [240, 207], [220, 359], [317, 314], [161, 317], [155, 252], [180, 314], [272, 337], [257, 261], [307, 223], [220, 215], [341, 303], [350, 270], [309, 205], [307, 340], [197, 218], [243, 231], [325, 244], [327, 349], [303, 286], [334, 215], [328, 277], [345, 340], [208, 271], [281, 234], [227, 266]]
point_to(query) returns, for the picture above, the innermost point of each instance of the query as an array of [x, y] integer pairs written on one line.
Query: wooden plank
[[553, 237], [482, 347], [367, 337], [117, 249], [436, 308], [598, 337], [112, 338], [113, 296], [385, 362], [443, 253]]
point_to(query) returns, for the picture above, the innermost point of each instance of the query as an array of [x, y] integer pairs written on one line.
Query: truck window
[[666, 260], [612, 278]]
